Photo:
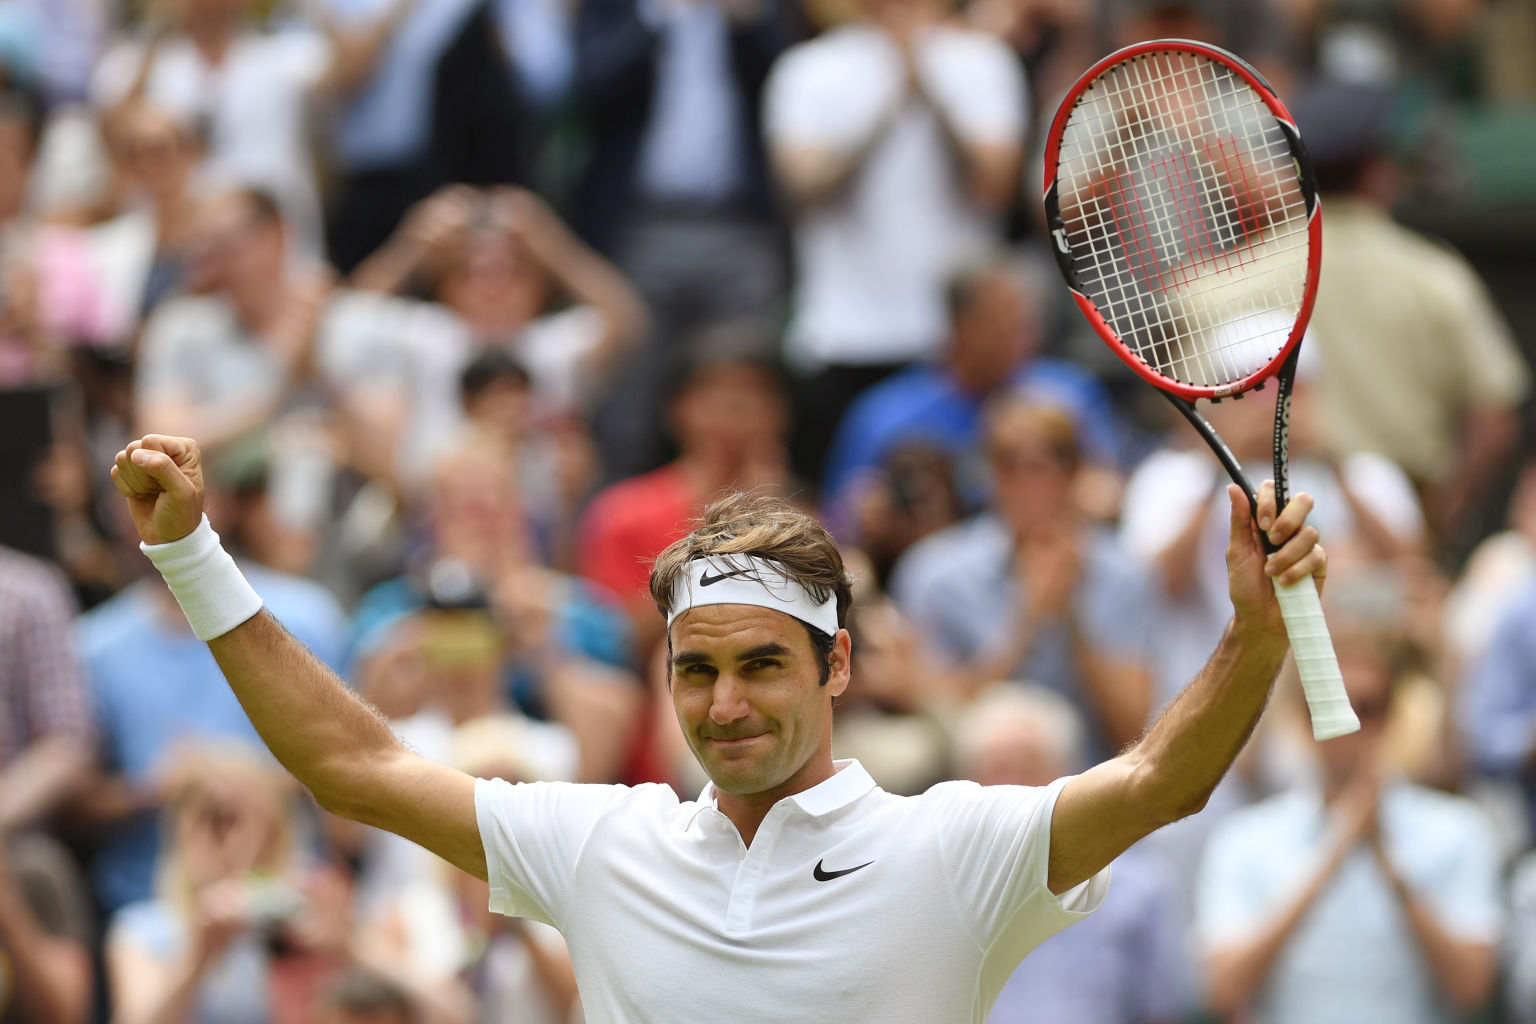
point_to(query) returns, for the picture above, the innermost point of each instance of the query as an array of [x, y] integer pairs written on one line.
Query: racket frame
[[1061, 250], [1326, 697]]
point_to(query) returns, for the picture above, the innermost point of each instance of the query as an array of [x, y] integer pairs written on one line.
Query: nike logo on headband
[[707, 580]]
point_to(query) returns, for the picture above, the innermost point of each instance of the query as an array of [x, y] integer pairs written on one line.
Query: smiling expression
[[747, 691]]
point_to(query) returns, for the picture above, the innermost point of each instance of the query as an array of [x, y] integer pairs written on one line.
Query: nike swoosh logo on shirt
[[827, 876]]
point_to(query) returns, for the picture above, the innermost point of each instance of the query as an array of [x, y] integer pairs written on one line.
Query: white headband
[[745, 579]]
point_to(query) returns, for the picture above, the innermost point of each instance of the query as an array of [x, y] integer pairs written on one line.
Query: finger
[[1314, 563], [121, 484], [1264, 511], [164, 471], [138, 483], [1241, 532], [1292, 551], [1291, 517], [172, 446]]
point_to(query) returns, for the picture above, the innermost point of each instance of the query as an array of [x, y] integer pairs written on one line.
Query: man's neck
[[747, 811]]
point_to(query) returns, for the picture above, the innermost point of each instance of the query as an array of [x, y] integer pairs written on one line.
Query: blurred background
[[474, 304]]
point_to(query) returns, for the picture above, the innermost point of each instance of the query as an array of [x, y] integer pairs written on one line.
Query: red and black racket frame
[[1283, 366]]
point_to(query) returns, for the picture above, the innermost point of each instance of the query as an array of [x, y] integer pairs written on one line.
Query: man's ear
[[841, 663]]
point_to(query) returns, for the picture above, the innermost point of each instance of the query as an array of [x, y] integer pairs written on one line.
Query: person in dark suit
[[676, 190]]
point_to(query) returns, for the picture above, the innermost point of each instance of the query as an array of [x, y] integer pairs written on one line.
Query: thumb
[[163, 469], [1241, 520]]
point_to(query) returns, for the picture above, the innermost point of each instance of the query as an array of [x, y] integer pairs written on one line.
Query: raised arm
[[332, 742], [1170, 773]]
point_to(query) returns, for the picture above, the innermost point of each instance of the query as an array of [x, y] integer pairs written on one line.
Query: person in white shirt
[[793, 881], [897, 140]]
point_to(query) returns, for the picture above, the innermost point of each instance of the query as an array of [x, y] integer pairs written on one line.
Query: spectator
[[993, 346], [46, 731], [1417, 362], [145, 248], [1029, 590], [1497, 571], [272, 356], [897, 138], [152, 704], [460, 91], [515, 970], [1176, 515], [45, 935], [497, 262], [252, 90], [222, 365], [1028, 736], [562, 646], [1498, 701], [363, 997], [239, 921], [730, 419], [677, 187], [552, 456], [47, 293], [1362, 899]]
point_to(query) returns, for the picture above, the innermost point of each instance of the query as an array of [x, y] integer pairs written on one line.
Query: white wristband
[[205, 581]]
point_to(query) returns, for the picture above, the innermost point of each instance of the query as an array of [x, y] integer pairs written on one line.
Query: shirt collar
[[849, 781]]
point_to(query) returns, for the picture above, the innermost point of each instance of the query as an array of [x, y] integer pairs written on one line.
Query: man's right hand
[[162, 478]]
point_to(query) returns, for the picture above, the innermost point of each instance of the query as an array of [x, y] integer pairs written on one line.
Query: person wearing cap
[[1418, 363], [793, 881]]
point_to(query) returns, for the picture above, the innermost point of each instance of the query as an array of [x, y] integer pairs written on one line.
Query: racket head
[[1183, 214]]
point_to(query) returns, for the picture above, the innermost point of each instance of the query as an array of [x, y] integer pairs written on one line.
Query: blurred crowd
[[474, 304]]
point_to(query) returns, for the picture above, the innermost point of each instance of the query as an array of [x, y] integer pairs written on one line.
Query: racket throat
[[1228, 460]]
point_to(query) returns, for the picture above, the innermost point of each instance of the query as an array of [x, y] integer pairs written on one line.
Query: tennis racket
[[1181, 206]]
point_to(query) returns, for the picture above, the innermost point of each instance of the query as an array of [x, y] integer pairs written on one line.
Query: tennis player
[[794, 888]]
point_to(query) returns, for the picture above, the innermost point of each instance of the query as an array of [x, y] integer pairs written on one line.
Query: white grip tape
[[1312, 647], [205, 581]]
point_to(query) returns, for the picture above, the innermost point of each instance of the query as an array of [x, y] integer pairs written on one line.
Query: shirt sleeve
[[1499, 701], [1495, 371], [995, 842], [533, 835], [1467, 895]]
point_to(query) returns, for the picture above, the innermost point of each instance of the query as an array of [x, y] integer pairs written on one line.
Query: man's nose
[[729, 703]]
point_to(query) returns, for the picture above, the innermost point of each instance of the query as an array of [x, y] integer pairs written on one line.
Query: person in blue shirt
[[993, 347]]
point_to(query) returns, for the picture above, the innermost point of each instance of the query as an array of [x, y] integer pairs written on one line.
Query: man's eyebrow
[[771, 649], [768, 650]]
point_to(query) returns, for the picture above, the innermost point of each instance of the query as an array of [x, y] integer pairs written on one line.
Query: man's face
[[747, 692], [1030, 483], [235, 249], [991, 336]]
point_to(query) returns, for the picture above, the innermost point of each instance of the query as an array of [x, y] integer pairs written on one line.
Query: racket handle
[[1312, 647]]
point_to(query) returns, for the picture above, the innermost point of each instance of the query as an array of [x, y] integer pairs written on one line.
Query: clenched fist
[[162, 478]]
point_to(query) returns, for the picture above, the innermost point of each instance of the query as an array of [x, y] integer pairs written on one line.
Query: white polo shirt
[[851, 903]]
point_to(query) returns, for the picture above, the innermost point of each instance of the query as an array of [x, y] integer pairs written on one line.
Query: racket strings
[[1183, 216]]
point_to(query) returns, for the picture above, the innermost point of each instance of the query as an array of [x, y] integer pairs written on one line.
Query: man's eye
[[761, 664]]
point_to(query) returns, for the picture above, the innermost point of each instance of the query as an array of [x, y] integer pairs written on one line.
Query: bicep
[[1096, 819], [430, 804]]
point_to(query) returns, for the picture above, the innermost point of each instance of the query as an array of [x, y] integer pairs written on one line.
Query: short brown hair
[[1005, 416], [763, 527]]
